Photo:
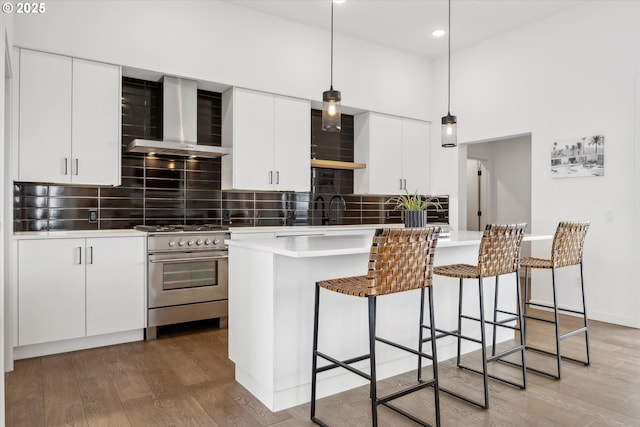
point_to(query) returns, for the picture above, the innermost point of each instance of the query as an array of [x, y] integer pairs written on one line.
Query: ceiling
[[407, 24]]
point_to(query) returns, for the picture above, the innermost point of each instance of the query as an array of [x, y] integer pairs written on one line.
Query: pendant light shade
[[331, 112], [449, 131], [449, 122]]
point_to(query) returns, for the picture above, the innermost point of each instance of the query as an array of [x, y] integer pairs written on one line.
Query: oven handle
[[179, 260]]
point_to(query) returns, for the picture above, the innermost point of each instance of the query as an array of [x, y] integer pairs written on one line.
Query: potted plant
[[414, 207]]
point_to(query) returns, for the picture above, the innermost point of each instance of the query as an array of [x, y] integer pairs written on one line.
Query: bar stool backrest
[[401, 259], [500, 249], [568, 243]]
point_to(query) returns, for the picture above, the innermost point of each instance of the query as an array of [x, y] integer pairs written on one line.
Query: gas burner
[[176, 228]]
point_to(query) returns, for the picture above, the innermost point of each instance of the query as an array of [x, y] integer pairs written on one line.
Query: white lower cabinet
[[72, 288], [115, 284]]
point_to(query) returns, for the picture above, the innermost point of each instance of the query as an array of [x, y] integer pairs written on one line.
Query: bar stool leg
[[557, 319], [584, 312], [459, 322], [523, 342], [527, 297], [420, 331], [314, 364], [495, 318], [372, 353], [485, 377], [434, 361]]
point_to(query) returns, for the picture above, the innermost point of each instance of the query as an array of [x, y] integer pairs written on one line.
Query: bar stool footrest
[[405, 348], [456, 334], [343, 364], [550, 353], [511, 383], [534, 370], [464, 398], [504, 353], [572, 333], [540, 319], [406, 414], [422, 384]]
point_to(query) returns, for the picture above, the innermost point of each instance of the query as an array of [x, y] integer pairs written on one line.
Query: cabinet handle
[[79, 254], [90, 254], [270, 177], [76, 166], [401, 184], [405, 184], [277, 177], [66, 165]]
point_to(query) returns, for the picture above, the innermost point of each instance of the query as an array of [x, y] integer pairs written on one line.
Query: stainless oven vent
[[180, 123]]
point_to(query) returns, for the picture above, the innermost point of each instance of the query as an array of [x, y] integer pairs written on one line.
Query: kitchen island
[[271, 292]]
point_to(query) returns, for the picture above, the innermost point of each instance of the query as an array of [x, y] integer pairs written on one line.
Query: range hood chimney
[[180, 123]]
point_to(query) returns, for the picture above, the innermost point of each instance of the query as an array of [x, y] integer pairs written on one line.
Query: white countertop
[[318, 246], [71, 234], [306, 228]]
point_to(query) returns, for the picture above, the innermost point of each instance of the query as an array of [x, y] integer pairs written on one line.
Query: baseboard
[[75, 344], [599, 316]]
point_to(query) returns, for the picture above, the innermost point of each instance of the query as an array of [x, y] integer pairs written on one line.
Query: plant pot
[[415, 218]]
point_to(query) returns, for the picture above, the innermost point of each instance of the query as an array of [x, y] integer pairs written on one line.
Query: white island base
[[271, 300]]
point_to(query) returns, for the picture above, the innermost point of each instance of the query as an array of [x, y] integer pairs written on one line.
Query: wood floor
[[185, 379]]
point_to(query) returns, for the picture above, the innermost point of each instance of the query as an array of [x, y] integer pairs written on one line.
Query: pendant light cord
[[449, 66], [331, 45]]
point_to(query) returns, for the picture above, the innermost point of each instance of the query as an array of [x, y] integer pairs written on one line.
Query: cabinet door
[[51, 291], [115, 284], [45, 117], [253, 141], [415, 156], [292, 144], [95, 149], [385, 154]]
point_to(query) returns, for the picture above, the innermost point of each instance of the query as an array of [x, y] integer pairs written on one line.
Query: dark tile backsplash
[[160, 190]]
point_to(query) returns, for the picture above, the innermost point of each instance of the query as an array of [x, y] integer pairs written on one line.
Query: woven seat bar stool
[[400, 259], [566, 250], [498, 254]]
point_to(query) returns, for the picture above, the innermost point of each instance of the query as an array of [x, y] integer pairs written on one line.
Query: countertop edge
[[68, 234], [299, 246]]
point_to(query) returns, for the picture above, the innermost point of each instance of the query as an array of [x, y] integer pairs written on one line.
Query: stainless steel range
[[187, 275]]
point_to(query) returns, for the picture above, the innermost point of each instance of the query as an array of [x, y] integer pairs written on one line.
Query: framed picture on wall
[[578, 157]]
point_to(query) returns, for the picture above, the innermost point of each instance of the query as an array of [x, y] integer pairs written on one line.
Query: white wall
[[220, 42], [5, 202], [567, 76]]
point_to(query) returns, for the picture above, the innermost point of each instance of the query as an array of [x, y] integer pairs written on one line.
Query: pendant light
[[331, 115], [449, 123]]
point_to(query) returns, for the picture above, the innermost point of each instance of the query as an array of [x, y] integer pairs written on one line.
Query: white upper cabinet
[[396, 151], [69, 120], [271, 140], [292, 144], [45, 117], [96, 128]]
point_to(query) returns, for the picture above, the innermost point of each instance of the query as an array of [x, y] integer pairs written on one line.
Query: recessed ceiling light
[[339, 1], [438, 33]]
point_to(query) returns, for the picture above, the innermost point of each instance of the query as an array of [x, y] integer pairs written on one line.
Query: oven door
[[187, 278]]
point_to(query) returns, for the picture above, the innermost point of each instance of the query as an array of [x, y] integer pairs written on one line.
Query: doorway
[[502, 191]]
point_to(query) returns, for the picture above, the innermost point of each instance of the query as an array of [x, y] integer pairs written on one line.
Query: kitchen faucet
[[337, 206], [323, 216]]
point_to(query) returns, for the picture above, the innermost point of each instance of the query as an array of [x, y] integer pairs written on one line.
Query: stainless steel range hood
[[180, 125]]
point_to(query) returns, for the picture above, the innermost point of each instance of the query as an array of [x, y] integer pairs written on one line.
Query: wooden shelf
[[334, 164]]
